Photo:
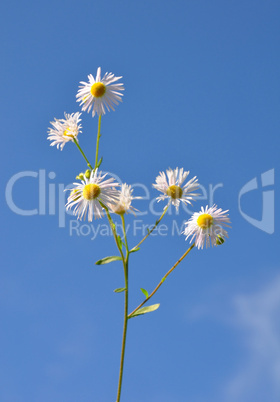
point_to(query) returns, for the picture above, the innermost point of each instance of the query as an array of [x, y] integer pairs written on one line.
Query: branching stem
[[82, 152], [163, 279], [153, 228]]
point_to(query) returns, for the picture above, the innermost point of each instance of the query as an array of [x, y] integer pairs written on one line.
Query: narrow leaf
[[106, 260], [145, 292], [145, 310], [100, 161], [119, 290], [133, 250], [120, 243]]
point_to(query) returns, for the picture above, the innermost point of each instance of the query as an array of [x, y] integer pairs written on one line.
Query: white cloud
[[257, 316]]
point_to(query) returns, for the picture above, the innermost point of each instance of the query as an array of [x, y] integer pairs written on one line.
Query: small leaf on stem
[[120, 243], [145, 292], [145, 310], [119, 290], [133, 250], [106, 260], [99, 162]]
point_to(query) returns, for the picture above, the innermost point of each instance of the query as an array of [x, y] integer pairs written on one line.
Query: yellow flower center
[[98, 89], [204, 221], [66, 133], [174, 192], [91, 191]]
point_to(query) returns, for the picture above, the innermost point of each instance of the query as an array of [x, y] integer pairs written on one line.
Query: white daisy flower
[[85, 196], [123, 203], [174, 188], [64, 130], [100, 94], [206, 226]]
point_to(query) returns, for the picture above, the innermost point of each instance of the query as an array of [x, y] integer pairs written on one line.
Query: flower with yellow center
[[100, 94], [206, 226], [86, 197], [67, 133], [172, 187], [123, 204], [64, 130]]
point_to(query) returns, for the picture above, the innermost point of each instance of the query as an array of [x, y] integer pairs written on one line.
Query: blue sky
[[201, 92]]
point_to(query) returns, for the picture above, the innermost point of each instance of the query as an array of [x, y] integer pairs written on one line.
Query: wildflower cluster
[[96, 194]]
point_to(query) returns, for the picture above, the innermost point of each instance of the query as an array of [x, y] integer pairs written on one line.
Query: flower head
[[64, 130], [86, 196], [206, 226], [174, 189], [100, 94], [123, 203]]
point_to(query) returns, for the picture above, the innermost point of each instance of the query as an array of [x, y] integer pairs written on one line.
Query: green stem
[[113, 227], [125, 265], [153, 228], [163, 279], [124, 233], [80, 149], [97, 142]]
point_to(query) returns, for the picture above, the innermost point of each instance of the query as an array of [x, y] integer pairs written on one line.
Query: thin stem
[[113, 227], [97, 142], [80, 149], [163, 279], [125, 266], [153, 228], [124, 233], [125, 311]]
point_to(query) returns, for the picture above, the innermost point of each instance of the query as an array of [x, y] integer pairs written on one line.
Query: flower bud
[[87, 173], [80, 176], [219, 240]]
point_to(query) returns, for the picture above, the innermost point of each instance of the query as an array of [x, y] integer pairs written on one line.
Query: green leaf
[[133, 250], [145, 310], [163, 279], [119, 290], [120, 243], [145, 292], [106, 260], [100, 161]]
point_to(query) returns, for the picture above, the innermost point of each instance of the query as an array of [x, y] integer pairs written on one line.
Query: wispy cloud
[[257, 318]]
